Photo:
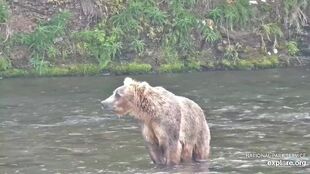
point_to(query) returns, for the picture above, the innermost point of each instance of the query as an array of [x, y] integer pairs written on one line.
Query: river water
[[56, 125]]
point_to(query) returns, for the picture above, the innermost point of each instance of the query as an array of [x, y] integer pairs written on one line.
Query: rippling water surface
[[55, 125]]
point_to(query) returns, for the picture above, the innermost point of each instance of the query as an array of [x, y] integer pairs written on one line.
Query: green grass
[[69, 70], [99, 44], [131, 68], [137, 68], [4, 64], [172, 68], [42, 40], [4, 11]]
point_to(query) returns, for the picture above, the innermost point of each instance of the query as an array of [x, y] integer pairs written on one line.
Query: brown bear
[[174, 127]]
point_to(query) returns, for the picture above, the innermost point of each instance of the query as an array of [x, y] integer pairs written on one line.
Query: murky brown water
[[55, 125]]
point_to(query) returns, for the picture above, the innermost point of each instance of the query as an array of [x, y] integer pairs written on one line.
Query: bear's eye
[[117, 95]]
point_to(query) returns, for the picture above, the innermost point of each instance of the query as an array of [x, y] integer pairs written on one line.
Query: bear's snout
[[106, 105]]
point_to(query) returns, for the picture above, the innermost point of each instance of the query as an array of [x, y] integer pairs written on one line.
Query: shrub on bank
[[292, 48]]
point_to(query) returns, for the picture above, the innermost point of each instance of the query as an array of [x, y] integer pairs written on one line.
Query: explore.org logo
[[281, 159], [288, 163]]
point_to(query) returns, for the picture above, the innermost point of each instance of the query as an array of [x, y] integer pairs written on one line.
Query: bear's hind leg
[[201, 152]]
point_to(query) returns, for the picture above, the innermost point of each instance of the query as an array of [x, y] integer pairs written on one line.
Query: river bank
[[73, 37], [139, 68]]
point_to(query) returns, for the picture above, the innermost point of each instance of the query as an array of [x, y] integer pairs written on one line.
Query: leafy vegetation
[[167, 36], [292, 48], [231, 53], [42, 40], [232, 13], [4, 64], [99, 45], [294, 14], [269, 31], [4, 11]]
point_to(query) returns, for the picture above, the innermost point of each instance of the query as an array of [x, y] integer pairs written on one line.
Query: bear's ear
[[144, 84], [128, 81]]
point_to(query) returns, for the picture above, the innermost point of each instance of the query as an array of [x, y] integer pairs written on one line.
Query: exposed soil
[[20, 57]]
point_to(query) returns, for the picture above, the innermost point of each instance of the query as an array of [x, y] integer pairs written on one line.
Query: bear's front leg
[[155, 150], [156, 153], [168, 139], [172, 152]]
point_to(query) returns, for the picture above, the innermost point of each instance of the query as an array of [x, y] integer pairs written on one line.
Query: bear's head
[[123, 101]]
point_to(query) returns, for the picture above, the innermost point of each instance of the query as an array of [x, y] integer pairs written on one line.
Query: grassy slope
[[155, 37]]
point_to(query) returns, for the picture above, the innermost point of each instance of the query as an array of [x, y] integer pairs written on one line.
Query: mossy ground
[[131, 68], [250, 64], [142, 68], [70, 70]]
